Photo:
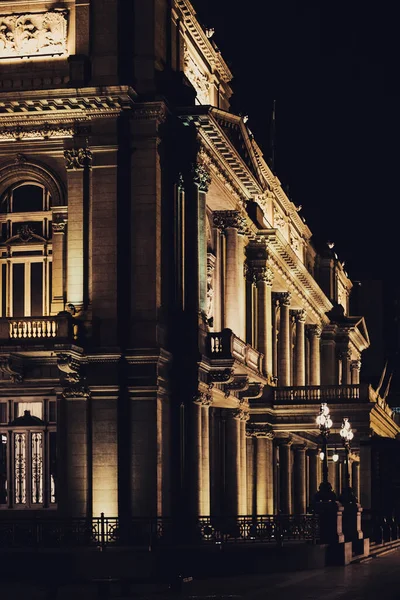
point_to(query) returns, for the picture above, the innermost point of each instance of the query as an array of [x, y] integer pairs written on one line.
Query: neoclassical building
[[168, 330]]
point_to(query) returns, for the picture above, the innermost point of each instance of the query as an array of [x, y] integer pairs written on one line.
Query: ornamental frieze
[[33, 34], [44, 132]]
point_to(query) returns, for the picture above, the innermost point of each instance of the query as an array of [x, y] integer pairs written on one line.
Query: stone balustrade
[[226, 345], [315, 393], [38, 329]]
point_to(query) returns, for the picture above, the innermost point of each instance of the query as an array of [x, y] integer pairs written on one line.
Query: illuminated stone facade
[[167, 329]]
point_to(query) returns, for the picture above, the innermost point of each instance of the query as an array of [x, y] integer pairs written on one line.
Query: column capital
[[344, 353], [299, 315], [201, 177], [355, 365], [203, 398], [229, 219], [255, 273], [300, 447], [314, 330], [59, 227], [78, 158], [284, 441], [240, 414], [260, 430], [283, 298]]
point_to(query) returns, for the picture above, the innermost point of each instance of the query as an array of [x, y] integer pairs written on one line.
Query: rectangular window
[[3, 412], [52, 412], [35, 408], [18, 290], [53, 467], [36, 289]]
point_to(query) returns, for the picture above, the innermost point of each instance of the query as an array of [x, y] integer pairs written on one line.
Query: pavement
[[373, 579]]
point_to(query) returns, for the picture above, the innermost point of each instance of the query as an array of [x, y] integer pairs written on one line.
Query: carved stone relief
[[33, 34], [197, 78]]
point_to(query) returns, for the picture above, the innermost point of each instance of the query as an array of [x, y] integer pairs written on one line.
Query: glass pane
[[27, 198], [36, 289], [20, 468], [53, 467], [37, 468], [3, 469], [3, 412], [18, 290], [35, 408]]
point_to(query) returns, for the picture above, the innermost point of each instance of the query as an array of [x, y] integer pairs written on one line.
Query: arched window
[[28, 466], [26, 251]]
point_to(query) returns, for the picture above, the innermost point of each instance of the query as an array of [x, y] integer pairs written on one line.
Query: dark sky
[[333, 70]]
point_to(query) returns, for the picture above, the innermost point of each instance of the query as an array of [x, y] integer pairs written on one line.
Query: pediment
[[237, 133]]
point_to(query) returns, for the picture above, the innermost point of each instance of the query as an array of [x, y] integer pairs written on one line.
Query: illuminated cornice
[[208, 49]]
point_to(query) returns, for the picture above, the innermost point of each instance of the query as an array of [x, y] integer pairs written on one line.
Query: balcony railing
[[225, 345], [38, 329], [315, 393], [108, 531]]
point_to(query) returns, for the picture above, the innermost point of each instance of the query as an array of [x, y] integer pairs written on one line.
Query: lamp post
[[347, 435], [324, 422]]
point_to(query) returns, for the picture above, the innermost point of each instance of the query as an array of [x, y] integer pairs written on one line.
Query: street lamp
[[324, 423], [347, 435]]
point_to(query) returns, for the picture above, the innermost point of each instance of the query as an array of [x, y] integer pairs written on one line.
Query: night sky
[[333, 70]]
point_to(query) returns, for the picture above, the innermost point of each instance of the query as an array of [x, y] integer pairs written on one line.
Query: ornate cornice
[[78, 158], [220, 174], [33, 132]]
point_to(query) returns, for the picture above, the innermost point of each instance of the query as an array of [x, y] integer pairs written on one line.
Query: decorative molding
[[239, 384], [197, 77], [260, 430], [14, 371], [31, 132], [255, 390], [78, 158], [151, 111], [69, 367], [206, 159], [210, 287], [33, 34], [77, 392], [220, 376]]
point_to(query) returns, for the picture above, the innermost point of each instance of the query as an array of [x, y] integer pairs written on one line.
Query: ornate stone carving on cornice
[[78, 158], [33, 34], [260, 430], [201, 177], [239, 384], [224, 219], [77, 392], [279, 219], [69, 367], [13, 370], [206, 159], [197, 77], [220, 376], [156, 111], [314, 330], [283, 298], [32, 132], [255, 390]]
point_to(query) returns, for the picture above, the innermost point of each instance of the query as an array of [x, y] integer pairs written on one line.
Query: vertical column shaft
[[197, 464], [314, 332], [285, 470], [355, 367], [314, 477], [328, 362], [355, 472], [264, 316], [205, 459], [243, 468], [284, 341], [251, 474], [232, 471], [300, 494], [58, 267], [300, 359]]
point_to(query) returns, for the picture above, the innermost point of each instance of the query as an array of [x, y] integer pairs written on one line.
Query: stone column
[[355, 368], [299, 356], [314, 334], [251, 474], [210, 305], [232, 223], [232, 470], [243, 464], [285, 472], [300, 492], [58, 269], [197, 465], [345, 358], [78, 163], [355, 476], [205, 456], [328, 358], [313, 474], [284, 340]]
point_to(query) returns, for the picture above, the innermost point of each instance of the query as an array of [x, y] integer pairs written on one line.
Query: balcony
[[225, 345], [38, 330], [315, 393]]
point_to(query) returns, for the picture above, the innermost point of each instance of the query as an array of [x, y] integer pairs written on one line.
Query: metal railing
[[109, 531], [317, 393]]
